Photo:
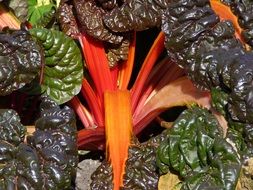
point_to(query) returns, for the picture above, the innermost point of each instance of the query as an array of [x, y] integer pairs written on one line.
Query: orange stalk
[[224, 12], [7, 19], [146, 68], [118, 130], [127, 67], [114, 75]]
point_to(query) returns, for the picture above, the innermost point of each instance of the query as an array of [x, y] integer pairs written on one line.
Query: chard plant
[[84, 55]]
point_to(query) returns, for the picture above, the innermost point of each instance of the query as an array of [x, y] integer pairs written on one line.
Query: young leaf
[[36, 9], [63, 64]]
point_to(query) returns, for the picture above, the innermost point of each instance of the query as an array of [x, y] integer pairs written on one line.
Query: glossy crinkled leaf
[[90, 17], [63, 64], [135, 15], [11, 129], [67, 20], [20, 60], [219, 100], [196, 150], [48, 159]]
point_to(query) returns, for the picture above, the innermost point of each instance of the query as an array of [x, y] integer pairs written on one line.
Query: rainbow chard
[[151, 94], [112, 108]]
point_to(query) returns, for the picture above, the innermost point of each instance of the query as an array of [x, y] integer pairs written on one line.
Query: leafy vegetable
[[63, 64], [46, 20], [90, 17], [240, 134], [243, 11], [67, 20], [213, 57], [49, 158], [11, 130], [117, 53], [196, 150], [219, 100], [135, 15], [36, 9], [20, 60]]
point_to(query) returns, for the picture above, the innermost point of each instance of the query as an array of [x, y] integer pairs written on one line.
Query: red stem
[[91, 139], [82, 113], [93, 102], [147, 66], [157, 73]]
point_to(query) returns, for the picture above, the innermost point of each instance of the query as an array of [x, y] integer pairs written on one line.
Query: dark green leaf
[[64, 68], [219, 100], [197, 151]]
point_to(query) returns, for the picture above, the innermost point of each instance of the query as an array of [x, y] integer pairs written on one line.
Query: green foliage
[[63, 72], [196, 150], [37, 8], [219, 100], [46, 20]]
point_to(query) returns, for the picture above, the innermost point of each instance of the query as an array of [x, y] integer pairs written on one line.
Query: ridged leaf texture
[[49, 158], [63, 64], [196, 150], [20, 60]]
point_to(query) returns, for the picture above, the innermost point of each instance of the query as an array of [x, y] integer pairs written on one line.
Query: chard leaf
[[37, 8], [48, 159], [219, 100], [196, 150], [20, 60], [63, 64]]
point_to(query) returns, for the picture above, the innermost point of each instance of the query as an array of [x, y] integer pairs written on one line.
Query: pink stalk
[[157, 73], [82, 113], [93, 102], [147, 66]]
